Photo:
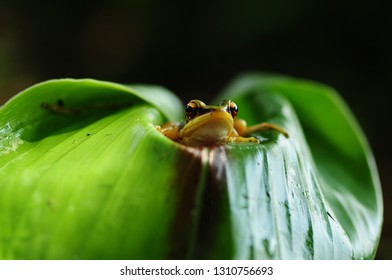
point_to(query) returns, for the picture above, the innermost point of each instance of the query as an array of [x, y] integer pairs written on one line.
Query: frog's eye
[[190, 111], [192, 108], [233, 109]]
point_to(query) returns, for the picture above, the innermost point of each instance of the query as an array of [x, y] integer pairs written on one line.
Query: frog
[[208, 125]]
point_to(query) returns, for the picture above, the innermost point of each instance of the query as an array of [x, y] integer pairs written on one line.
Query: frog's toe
[[252, 140]]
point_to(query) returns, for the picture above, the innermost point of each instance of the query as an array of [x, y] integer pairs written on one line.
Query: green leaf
[[318, 193], [79, 183], [84, 174]]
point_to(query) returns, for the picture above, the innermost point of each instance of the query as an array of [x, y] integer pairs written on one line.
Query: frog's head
[[208, 124]]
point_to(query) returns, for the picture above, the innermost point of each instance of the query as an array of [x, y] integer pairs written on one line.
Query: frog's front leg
[[240, 139], [243, 130], [237, 136], [171, 130]]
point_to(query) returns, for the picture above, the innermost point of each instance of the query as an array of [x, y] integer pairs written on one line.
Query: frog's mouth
[[208, 129]]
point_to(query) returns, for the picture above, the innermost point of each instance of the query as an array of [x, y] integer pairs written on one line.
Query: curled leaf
[[84, 174]]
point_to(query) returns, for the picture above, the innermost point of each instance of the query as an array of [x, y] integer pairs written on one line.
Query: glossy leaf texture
[[93, 180], [85, 175], [315, 195]]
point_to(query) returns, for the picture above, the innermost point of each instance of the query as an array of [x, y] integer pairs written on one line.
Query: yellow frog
[[213, 125]]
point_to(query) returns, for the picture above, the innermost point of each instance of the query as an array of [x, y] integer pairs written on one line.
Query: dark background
[[195, 48]]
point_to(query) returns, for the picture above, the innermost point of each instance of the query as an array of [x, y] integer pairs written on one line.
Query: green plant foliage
[[85, 175], [331, 163]]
